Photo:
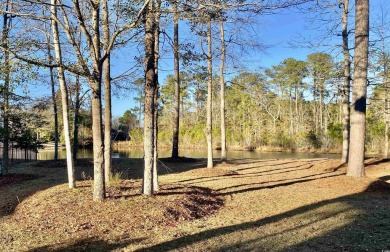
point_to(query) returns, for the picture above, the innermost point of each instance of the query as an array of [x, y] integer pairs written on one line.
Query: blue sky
[[275, 31]]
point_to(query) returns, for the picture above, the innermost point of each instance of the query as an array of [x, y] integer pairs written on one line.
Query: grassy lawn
[[244, 205]]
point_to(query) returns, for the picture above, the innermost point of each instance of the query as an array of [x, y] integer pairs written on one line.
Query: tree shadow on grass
[[268, 167], [92, 244], [367, 229], [236, 174], [281, 171], [242, 188], [369, 161], [132, 168], [51, 173]]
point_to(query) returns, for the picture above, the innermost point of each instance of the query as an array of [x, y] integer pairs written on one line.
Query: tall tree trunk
[[156, 186], [53, 93], [95, 81], [222, 84], [315, 116], [150, 88], [387, 120], [358, 111], [97, 135], [209, 133], [76, 119], [386, 112], [55, 109], [140, 111], [321, 106], [176, 120], [346, 85], [64, 94], [107, 94], [297, 116], [7, 74], [291, 113]]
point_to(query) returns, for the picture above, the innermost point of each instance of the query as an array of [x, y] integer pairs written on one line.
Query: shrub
[[335, 132], [313, 139]]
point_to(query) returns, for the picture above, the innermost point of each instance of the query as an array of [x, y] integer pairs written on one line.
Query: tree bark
[[176, 120], [95, 81], [209, 134], [64, 94], [222, 84], [346, 85], [150, 88], [358, 111], [98, 146], [107, 94], [156, 186], [7, 74]]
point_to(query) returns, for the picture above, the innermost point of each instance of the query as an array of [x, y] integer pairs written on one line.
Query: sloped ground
[[245, 205]]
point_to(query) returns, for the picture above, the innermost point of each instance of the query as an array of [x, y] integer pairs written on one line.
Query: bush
[[335, 132], [136, 136], [313, 139]]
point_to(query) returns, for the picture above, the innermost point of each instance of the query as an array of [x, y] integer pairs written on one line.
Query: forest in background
[[280, 107]]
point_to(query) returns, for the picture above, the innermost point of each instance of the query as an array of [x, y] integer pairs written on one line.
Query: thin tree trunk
[[53, 94], [321, 106], [64, 94], [386, 112], [315, 116], [150, 89], [176, 120], [7, 73], [291, 114], [107, 95], [346, 86], [156, 186], [222, 84], [95, 82], [209, 135], [98, 146], [387, 121], [76, 119], [140, 109], [296, 109], [55, 110], [386, 148], [358, 111]]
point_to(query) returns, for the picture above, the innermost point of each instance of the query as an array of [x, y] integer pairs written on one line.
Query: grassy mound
[[71, 214]]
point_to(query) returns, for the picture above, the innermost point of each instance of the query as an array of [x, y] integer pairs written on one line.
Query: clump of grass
[[85, 176], [115, 178]]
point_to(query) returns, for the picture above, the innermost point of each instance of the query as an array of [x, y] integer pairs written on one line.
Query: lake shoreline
[[126, 146]]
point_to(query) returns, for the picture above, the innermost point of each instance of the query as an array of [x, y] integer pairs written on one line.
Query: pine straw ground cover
[[244, 205]]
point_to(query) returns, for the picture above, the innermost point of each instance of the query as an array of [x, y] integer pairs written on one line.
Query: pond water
[[138, 153]]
